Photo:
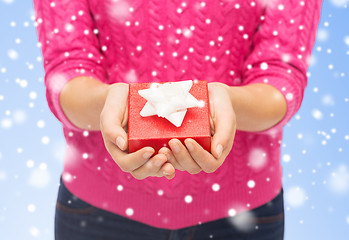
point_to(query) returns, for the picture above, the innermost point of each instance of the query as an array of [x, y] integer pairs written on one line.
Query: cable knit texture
[[236, 42]]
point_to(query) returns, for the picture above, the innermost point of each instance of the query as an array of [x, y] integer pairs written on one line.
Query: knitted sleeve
[[70, 48], [282, 47]]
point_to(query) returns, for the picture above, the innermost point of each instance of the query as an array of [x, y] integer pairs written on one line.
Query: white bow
[[169, 100]]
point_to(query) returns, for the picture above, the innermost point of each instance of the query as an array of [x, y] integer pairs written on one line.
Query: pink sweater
[[236, 42]]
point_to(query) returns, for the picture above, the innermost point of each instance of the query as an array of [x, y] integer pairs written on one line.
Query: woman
[[253, 53]]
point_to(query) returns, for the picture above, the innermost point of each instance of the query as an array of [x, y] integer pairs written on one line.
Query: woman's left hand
[[191, 157]]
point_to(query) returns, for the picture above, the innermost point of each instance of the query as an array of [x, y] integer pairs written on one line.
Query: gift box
[[156, 111]]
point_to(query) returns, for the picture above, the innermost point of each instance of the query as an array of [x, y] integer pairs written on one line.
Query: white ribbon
[[169, 100]]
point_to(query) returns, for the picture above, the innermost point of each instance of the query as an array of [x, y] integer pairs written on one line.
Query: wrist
[[234, 93], [81, 100], [103, 92], [107, 88]]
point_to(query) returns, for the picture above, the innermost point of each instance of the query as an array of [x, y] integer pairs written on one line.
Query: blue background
[[314, 150]]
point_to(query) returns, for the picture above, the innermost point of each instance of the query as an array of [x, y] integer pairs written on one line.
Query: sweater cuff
[[54, 85], [292, 94]]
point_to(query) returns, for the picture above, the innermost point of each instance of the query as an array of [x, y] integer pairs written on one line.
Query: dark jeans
[[77, 220]]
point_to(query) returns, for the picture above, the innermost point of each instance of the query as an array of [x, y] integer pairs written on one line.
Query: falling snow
[[129, 211], [286, 158], [215, 187], [12, 54], [317, 114], [39, 178], [244, 221], [251, 184], [31, 208], [257, 159], [188, 199], [339, 180], [340, 3], [295, 196]]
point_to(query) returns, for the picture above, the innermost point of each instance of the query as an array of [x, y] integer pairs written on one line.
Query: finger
[[171, 158], [171, 176], [222, 140], [113, 118], [224, 121], [128, 162], [166, 170], [202, 157], [212, 126], [113, 131], [183, 157], [150, 168]]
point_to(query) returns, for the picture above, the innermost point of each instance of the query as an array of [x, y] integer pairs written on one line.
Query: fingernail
[[147, 155], [190, 147], [219, 150], [165, 173], [120, 142], [176, 148]]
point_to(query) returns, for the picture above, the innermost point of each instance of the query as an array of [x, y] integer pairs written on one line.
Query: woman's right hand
[[113, 125]]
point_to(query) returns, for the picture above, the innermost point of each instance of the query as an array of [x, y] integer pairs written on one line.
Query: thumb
[[121, 138], [224, 134], [224, 125], [112, 129], [114, 117]]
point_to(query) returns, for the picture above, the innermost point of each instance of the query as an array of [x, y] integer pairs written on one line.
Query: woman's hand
[[113, 125], [192, 157]]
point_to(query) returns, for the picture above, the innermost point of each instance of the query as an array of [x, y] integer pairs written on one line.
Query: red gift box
[[156, 132]]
